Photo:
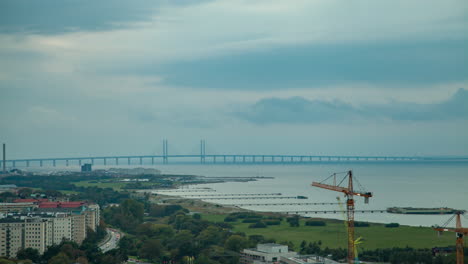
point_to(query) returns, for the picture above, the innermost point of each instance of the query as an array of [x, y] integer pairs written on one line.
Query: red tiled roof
[[61, 204]]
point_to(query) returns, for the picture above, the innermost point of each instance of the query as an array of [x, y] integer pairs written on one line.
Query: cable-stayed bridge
[[204, 158]]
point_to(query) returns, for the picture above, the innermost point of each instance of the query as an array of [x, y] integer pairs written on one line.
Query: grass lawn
[[117, 186], [333, 234]]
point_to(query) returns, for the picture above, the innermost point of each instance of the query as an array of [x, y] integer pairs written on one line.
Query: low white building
[[266, 253]]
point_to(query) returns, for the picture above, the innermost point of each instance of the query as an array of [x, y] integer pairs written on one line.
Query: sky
[[312, 77]]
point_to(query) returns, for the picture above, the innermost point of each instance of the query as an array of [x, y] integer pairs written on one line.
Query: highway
[[111, 241]]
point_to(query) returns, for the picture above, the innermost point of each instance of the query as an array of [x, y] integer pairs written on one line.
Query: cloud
[[57, 17], [312, 66], [300, 110]]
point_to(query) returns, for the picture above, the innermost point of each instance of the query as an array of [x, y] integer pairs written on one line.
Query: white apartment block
[[39, 231]]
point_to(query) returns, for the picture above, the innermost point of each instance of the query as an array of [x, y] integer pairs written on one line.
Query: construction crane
[[349, 192], [460, 232]]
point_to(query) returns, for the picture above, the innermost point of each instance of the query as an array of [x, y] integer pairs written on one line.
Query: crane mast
[[349, 193], [460, 232]]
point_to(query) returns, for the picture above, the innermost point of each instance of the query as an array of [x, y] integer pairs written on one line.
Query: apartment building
[[47, 226], [17, 207]]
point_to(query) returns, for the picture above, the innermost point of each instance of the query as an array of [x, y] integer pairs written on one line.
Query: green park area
[[116, 185], [333, 234]]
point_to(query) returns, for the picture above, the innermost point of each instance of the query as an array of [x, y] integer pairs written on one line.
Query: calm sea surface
[[405, 185]]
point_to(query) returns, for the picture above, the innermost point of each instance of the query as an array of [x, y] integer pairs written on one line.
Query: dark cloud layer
[[59, 16], [317, 65], [300, 110]]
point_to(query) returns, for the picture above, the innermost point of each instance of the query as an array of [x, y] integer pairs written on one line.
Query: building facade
[[265, 253], [48, 225]]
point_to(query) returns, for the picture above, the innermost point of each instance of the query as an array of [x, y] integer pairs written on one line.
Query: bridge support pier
[[14, 164], [27, 163], [53, 163], [116, 161], [128, 161], [141, 161], [152, 160], [40, 163], [92, 161]]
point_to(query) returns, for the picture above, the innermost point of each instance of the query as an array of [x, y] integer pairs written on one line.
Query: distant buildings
[[86, 167], [8, 188], [134, 171], [40, 223]]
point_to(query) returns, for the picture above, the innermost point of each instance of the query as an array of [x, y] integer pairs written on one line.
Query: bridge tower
[[165, 151], [4, 158], [202, 150]]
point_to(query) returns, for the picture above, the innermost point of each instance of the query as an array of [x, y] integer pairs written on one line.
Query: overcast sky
[[116, 77]]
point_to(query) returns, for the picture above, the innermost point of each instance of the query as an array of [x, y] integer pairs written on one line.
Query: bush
[[250, 220], [278, 218], [164, 210], [293, 221], [361, 224], [315, 223], [258, 224], [272, 222], [230, 219], [392, 225], [245, 215]]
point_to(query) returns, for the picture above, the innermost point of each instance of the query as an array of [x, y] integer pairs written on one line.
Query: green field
[[117, 186], [114, 185], [333, 234]]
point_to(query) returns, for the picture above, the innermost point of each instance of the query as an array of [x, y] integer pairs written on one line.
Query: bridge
[[204, 158]]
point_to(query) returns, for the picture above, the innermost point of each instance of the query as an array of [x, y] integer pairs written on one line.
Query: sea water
[[396, 184]]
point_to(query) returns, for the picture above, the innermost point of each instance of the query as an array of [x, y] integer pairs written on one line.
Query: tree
[[210, 236], [60, 258], [25, 192], [236, 243], [134, 209], [129, 245], [82, 260], [151, 249], [29, 253]]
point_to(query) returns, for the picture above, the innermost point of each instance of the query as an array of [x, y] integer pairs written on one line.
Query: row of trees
[[175, 235], [406, 255]]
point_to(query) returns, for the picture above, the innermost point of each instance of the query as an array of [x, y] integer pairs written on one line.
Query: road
[[111, 241]]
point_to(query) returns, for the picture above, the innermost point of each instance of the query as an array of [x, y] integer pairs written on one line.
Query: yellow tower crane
[[349, 192], [459, 230]]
